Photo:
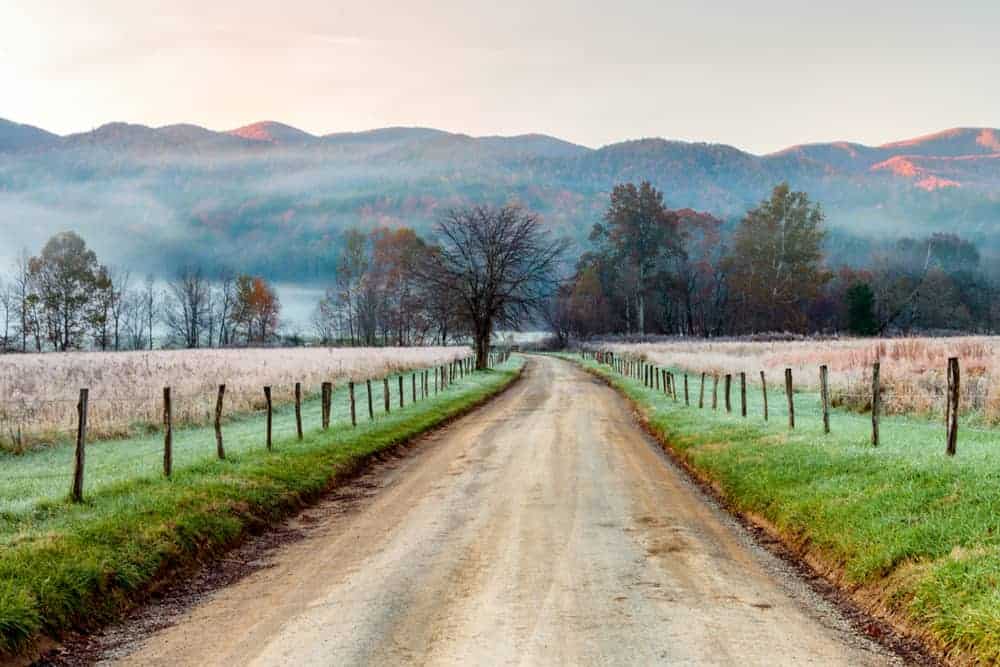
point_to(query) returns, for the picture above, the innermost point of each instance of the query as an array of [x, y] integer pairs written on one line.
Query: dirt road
[[545, 528]]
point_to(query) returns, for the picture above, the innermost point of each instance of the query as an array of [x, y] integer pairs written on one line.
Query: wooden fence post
[[385, 394], [687, 400], [791, 401], [824, 396], [953, 393], [354, 413], [715, 391], [327, 399], [673, 386], [413, 387], [168, 433], [701, 392], [81, 443], [763, 391], [656, 373], [270, 412], [729, 382], [401, 392], [743, 393], [876, 402], [298, 409], [219, 449]]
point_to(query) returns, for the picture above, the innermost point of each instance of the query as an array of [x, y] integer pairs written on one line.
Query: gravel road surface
[[545, 528]]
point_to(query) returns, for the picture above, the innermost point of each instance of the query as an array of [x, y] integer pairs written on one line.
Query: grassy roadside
[[912, 535], [67, 566]]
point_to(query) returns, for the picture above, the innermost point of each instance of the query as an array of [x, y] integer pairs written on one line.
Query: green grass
[[65, 566], [918, 528]]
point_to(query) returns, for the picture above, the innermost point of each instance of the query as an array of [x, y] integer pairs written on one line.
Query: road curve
[[545, 528]]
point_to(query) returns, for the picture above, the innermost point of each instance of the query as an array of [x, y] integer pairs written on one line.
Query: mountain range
[[271, 198]]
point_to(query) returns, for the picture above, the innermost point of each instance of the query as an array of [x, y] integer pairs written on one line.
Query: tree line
[[649, 269], [64, 299], [655, 270]]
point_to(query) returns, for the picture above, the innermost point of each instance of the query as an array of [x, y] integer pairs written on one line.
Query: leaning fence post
[[715, 391], [168, 434], [729, 382], [298, 409], [270, 411], [673, 386], [81, 443], [371, 406], [763, 391], [953, 393], [824, 395], [791, 401], [219, 449], [876, 402]]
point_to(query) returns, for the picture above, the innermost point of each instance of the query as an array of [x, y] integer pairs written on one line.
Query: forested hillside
[[274, 200]]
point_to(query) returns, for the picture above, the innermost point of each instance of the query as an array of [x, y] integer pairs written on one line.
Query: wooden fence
[[444, 376], [639, 369]]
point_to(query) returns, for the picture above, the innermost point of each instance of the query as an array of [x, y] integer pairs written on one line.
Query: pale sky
[[758, 75]]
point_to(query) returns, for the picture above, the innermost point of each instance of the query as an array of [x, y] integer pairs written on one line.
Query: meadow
[[39, 392], [912, 534]]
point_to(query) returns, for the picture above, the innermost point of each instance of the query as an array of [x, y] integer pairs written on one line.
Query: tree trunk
[[483, 349]]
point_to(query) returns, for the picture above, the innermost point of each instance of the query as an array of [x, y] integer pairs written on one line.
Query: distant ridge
[[275, 199], [272, 132]]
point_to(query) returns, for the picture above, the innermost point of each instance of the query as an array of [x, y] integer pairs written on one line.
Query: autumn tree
[[257, 309], [500, 264], [775, 266]]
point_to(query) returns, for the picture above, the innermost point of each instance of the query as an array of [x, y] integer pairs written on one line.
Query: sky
[[758, 75]]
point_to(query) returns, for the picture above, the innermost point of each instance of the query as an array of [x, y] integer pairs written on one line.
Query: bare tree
[[186, 307], [119, 288], [7, 314], [150, 305], [500, 264]]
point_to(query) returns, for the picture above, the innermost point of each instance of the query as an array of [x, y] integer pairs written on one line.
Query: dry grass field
[[38, 393], [913, 370]]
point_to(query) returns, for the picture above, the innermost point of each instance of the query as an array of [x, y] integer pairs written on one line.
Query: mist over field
[[272, 200]]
